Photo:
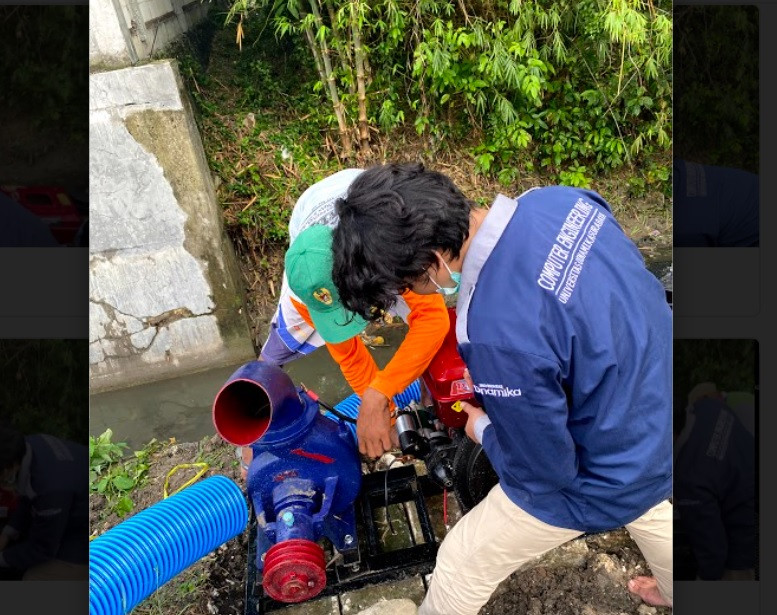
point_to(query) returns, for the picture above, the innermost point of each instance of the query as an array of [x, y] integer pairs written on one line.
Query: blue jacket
[[52, 519], [568, 339], [715, 489]]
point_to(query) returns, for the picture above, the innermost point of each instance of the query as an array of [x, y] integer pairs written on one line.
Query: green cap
[[309, 272]]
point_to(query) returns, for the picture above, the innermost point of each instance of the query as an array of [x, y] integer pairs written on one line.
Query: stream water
[[180, 407]]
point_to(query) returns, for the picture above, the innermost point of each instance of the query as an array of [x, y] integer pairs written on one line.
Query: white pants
[[496, 538]]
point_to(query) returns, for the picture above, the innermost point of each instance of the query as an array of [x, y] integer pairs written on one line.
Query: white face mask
[[455, 278]]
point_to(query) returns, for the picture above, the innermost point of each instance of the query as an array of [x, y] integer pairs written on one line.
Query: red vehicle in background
[[54, 206]]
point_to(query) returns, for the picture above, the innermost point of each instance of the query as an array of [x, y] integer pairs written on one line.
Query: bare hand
[[473, 414], [373, 425]]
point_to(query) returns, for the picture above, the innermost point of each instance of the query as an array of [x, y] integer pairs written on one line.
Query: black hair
[[12, 447], [392, 219]]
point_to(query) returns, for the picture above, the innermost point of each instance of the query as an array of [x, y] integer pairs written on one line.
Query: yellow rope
[[203, 468]]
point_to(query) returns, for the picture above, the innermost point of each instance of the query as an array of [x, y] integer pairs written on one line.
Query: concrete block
[[165, 291]]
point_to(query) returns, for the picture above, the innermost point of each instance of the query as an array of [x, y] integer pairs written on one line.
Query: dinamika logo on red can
[[460, 387]]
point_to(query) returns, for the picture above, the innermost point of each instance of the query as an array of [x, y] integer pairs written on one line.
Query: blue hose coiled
[[133, 559], [350, 405]]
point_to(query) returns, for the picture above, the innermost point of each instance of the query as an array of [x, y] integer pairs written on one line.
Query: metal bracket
[[369, 564]]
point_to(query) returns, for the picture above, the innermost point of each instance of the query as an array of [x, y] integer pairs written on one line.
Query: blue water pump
[[303, 480]]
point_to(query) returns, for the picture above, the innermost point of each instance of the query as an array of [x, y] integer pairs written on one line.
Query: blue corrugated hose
[[133, 559], [350, 405]]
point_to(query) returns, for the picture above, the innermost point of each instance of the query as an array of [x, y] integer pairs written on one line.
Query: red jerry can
[[445, 380]]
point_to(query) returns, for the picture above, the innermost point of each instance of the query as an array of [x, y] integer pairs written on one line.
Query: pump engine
[[433, 430]]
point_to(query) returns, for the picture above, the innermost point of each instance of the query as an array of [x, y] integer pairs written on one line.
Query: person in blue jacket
[[46, 537], [715, 482], [567, 337]]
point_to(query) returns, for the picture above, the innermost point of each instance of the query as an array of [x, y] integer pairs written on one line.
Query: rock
[[398, 606], [645, 609], [572, 554], [608, 572], [535, 607], [384, 597], [611, 541]]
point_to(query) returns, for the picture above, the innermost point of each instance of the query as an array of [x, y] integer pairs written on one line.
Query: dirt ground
[[584, 577]]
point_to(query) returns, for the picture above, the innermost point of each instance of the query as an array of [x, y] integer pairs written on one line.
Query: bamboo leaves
[[600, 67]]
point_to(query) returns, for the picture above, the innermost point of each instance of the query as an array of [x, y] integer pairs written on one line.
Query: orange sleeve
[[428, 323], [353, 357]]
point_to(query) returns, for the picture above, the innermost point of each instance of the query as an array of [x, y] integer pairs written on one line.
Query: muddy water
[[181, 407]]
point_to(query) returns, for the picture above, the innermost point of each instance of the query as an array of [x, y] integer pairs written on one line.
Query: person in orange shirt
[[310, 315]]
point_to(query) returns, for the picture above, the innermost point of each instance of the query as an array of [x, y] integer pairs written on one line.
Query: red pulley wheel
[[294, 570]]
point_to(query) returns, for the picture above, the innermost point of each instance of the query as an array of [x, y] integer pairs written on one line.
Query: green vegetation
[[575, 88], [500, 95], [264, 133], [115, 476], [121, 478]]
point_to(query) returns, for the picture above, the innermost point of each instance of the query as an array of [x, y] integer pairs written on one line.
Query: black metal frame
[[401, 484]]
